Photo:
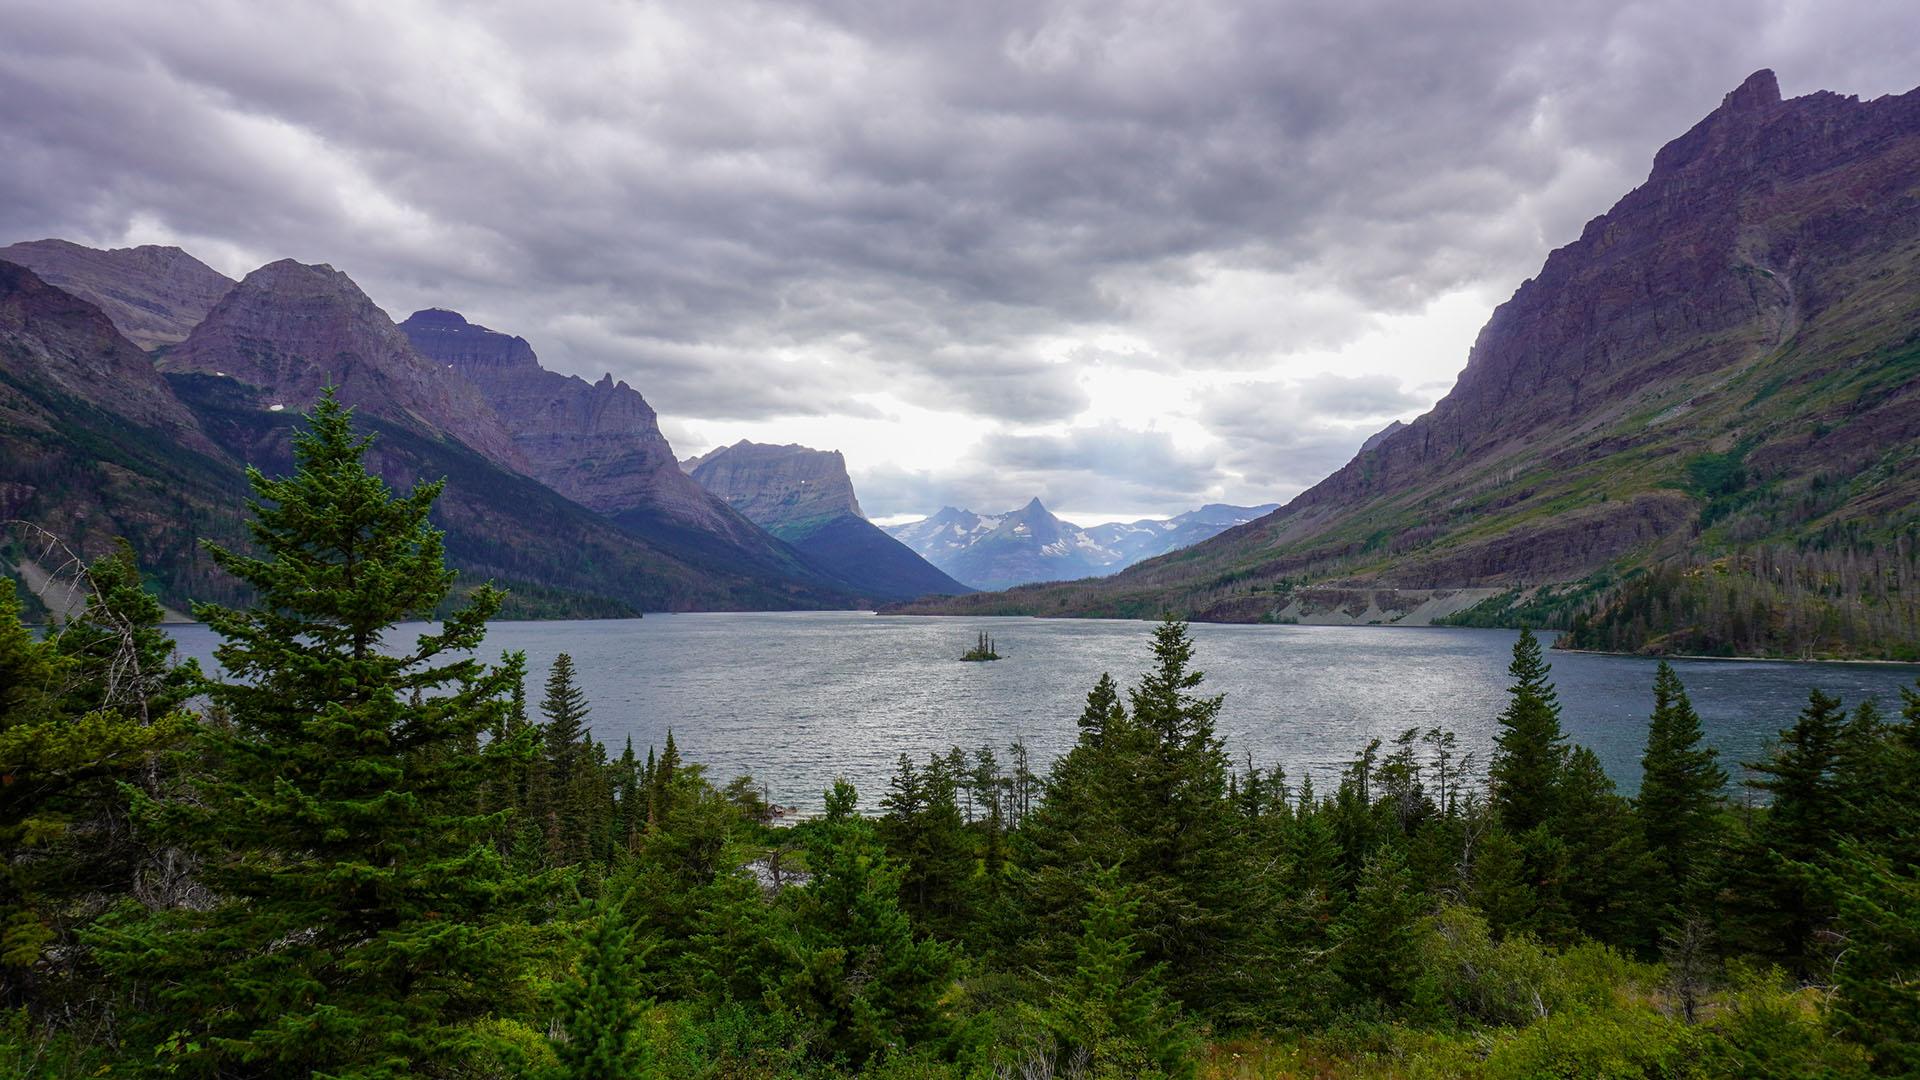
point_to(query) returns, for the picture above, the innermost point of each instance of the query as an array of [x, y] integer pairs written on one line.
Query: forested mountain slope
[[1695, 430], [99, 445]]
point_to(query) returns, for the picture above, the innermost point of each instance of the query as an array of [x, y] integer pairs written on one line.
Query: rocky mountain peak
[[58, 338], [467, 346], [289, 329], [1760, 91], [597, 443], [154, 295], [778, 486]]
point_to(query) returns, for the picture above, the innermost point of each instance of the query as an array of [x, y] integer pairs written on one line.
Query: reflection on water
[[800, 698]]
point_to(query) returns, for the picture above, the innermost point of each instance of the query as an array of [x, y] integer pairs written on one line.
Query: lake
[[797, 699]]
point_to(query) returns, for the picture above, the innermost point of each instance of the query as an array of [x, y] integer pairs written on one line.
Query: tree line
[[355, 856]]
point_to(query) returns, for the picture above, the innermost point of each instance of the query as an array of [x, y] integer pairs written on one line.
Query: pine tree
[[1781, 908], [1499, 886], [80, 714], [566, 759], [1530, 747], [1877, 1003], [660, 781], [1375, 953], [631, 816], [360, 921], [1113, 1018], [1606, 861], [859, 980], [921, 827], [599, 1005], [1680, 786]]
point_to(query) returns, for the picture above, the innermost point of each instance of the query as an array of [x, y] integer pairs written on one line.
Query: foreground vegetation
[[356, 863]]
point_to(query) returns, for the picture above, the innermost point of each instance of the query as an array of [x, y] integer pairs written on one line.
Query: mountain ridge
[[154, 294], [1720, 366], [1031, 544]]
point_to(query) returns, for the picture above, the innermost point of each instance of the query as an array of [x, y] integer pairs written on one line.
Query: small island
[[982, 649]]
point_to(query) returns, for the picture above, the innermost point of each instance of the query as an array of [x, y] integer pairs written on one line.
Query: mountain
[[96, 447], [804, 497], [1698, 428], [1000, 550], [289, 329], [154, 295], [1028, 545], [599, 444], [784, 486], [99, 444], [1134, 541]]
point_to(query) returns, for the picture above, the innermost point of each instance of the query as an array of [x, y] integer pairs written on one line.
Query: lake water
[[797, 699]]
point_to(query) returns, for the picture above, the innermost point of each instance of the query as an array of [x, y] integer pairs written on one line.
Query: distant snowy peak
[[999, 551]]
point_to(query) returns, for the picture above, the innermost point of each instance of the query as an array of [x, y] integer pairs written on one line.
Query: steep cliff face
[[598, 444], [778, 487], [154, 295], [1725, 358], [289, 329], [805, 497]]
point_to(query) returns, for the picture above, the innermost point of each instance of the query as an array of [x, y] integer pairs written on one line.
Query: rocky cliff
[[69, 346], [154, 295], [1725, 359], [777, 486], [289, 329], [600, 445], [805, 497]]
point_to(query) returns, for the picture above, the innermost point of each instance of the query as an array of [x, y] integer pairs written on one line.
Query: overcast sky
[[1128, 257]]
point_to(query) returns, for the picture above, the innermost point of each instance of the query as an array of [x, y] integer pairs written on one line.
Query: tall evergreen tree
[[360, 920], [1680, 785], [922, 828], [860, 980], [1375, 953], [1782, 908], [1878, 996], [1606, 863], [1112, 1019], [1530, 749]]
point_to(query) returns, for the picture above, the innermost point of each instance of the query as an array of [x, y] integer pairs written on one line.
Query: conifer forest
[[339, 860]]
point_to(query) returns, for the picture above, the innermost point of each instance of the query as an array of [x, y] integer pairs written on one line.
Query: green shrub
[[1612, 1044]]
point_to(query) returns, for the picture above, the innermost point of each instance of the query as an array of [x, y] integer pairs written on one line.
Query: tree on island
[[982, 649]]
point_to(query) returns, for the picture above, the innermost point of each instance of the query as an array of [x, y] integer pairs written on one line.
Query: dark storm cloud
[[763, 210]]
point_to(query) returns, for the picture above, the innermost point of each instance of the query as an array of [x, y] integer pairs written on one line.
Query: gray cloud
[[1280, 438], [756, 210]]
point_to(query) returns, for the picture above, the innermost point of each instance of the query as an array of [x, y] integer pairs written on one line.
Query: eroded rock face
[[154, 295], [290, 329], [777, 486], [804, 497], [1725, 253], [598, 443], [53, 337]]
